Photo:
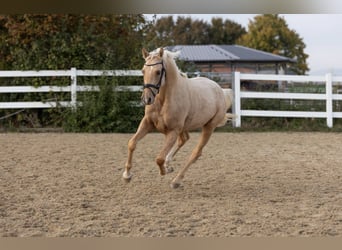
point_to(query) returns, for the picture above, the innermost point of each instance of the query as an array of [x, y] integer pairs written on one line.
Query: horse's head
[[154, 75]]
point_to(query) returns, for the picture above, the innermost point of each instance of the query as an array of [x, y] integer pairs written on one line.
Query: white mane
[[167, 53], [170, 56], [174, 55]]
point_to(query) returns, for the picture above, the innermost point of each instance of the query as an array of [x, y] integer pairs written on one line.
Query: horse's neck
[[173, 88], [173, 85]]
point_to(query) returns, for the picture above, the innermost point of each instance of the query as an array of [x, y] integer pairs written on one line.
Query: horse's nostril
[[147, 100]]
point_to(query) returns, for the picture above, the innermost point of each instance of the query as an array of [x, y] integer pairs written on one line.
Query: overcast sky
[[322, 34]]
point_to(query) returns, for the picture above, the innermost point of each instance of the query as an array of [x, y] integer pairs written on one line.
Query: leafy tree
[[161, 33], [63, 41], [271, 33], [225, 32], [186, 31], [38, 42]]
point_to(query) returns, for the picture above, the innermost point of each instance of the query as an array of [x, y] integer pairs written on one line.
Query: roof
[[226, 53]]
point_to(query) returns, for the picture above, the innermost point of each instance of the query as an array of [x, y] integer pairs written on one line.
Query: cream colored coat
[[180, 105]]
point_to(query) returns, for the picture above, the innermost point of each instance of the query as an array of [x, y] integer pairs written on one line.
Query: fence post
[[237, 100], [73, 76], [329, 99]]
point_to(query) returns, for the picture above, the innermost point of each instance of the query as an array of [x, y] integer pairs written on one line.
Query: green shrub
[[104, 111]]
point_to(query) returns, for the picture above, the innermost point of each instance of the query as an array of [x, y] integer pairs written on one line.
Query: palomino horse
[[176, 105]]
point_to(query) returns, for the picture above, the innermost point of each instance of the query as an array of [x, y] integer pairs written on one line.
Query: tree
[[62, 41], [271, 33], [225, 32], [186, 31], [160, 33]]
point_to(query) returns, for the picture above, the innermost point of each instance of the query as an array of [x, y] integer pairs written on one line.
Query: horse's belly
[[192, 126], [198, 120]]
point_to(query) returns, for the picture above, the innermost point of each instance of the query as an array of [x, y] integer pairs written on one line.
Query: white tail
[[229, 98]]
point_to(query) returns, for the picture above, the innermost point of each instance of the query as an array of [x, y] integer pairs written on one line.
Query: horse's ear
[[161, 52], [145, 53]]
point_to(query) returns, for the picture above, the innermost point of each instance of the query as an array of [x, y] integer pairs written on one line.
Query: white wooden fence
[[73, 73], [328, 79], [328, 97]]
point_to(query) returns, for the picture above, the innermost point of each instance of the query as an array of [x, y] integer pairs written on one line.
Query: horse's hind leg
[[143, 129], [196, 153], [182, 139]]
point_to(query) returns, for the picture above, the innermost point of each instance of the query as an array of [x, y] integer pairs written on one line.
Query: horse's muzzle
[[147, 98], [147, 101], [149, 93]]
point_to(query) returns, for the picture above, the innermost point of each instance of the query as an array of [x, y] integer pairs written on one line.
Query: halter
[[158, 85]]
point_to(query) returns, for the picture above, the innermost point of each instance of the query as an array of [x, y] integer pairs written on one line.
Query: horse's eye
[[158, 72]]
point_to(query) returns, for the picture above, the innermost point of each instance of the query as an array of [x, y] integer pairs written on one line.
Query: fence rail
[[73, 73], [328, 80]]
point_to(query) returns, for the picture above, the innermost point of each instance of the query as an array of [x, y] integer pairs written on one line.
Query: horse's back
[[205, 82], [206, 89], [207, 101]]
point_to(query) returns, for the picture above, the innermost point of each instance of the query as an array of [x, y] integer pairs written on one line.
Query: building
[[230, 58], [221, 61]]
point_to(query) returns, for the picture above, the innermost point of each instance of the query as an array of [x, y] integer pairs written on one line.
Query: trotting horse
[[175, 105]]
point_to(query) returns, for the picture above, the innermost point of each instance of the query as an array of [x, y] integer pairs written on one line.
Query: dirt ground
[[245, 184]]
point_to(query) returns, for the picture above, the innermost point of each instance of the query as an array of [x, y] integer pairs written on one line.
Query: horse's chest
[[160, 124], [164, 118], [162, 121]]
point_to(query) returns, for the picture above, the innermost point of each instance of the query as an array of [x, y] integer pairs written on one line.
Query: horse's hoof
[[166, 170], [175, 185], [126, 177], [169, 170]]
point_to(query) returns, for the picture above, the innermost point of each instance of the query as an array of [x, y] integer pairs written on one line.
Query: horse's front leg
[[144, 127], [170, 140]]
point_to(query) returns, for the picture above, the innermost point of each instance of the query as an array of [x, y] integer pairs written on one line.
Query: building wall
[[243, 68], [222, 73]]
